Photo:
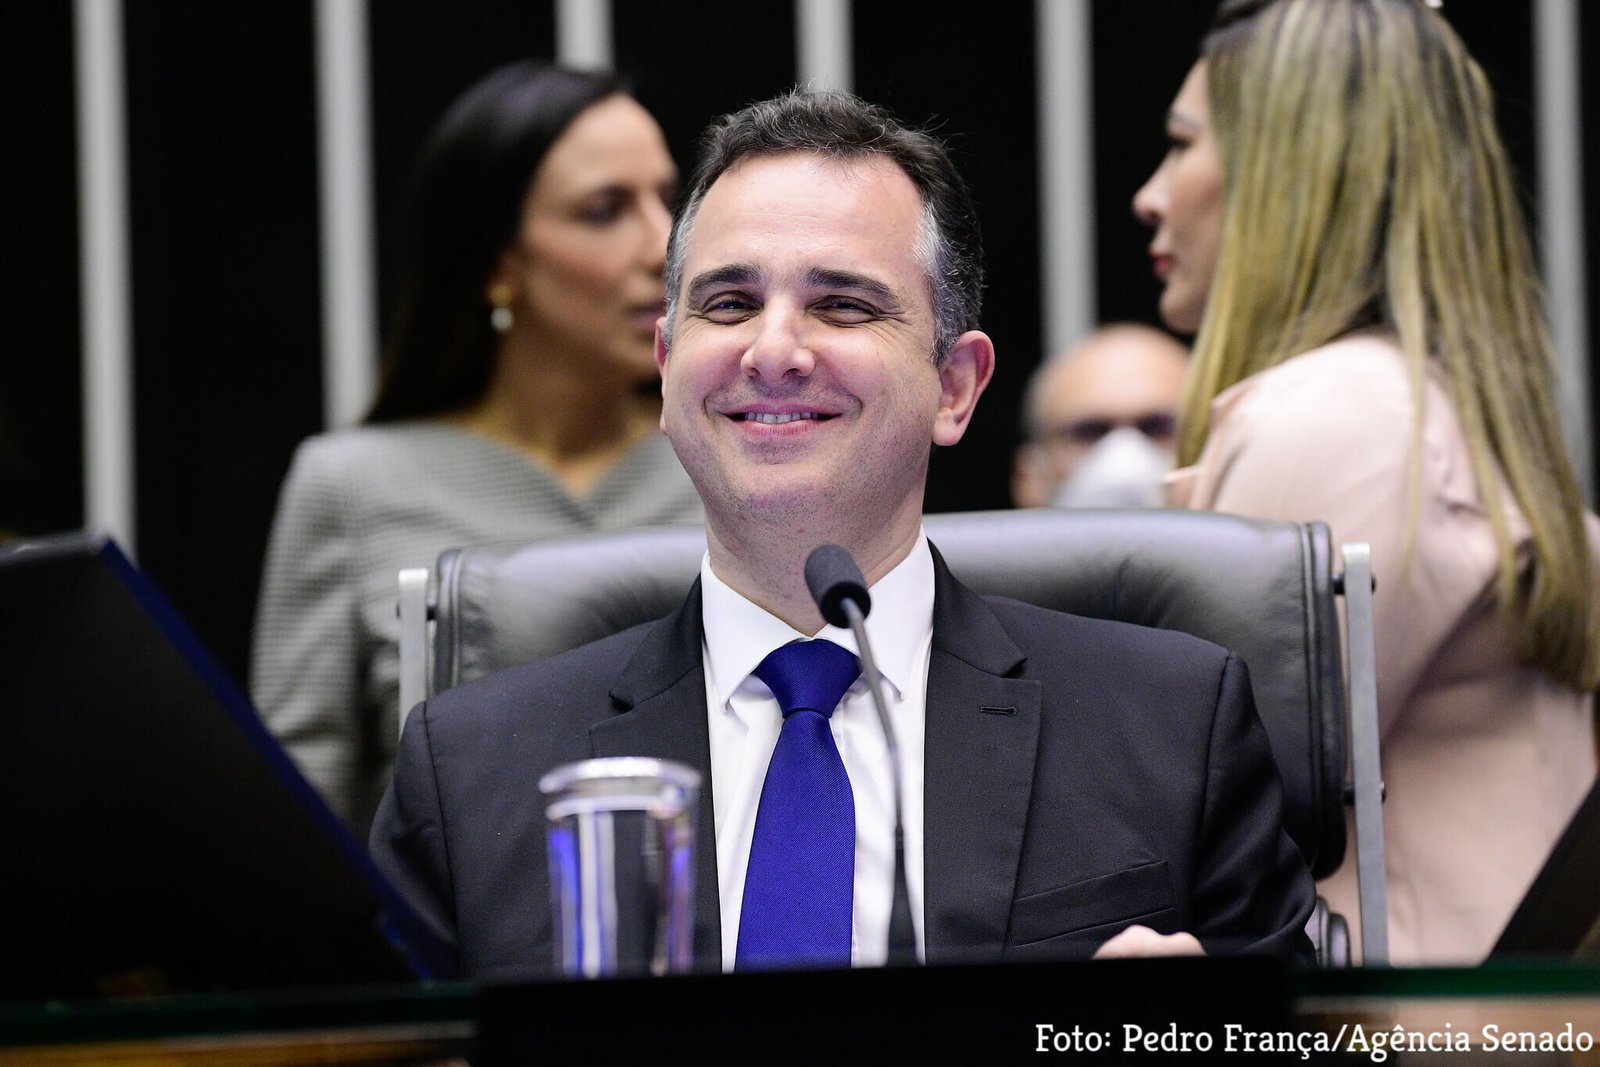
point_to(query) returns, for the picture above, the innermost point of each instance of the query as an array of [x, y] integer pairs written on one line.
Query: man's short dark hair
[[841, 126]]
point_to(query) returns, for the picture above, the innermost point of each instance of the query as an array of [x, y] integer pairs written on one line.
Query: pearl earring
[[500, 316]]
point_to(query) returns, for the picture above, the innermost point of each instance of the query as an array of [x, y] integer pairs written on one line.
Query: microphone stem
[[902, 936]]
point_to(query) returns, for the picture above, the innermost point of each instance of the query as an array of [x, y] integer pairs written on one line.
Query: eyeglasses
[[1159, 426]]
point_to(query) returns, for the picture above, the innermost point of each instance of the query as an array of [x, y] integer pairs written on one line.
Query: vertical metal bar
[[344, 164], [1372, 879], [583, 34], [106, 306], [1066, 175], [823, 50], [1561, 209], [413, 610]]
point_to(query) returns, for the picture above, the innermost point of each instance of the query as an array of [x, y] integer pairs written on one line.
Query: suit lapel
[[982, 742], [660, 697]]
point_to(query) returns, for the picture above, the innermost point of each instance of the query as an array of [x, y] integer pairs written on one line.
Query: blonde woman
[[1336, 221]]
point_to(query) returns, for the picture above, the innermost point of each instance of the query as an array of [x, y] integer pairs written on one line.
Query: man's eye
[[730, 307], [847, 310]]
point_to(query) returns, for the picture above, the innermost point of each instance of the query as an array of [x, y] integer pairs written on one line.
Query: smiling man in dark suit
[[1070, 785]]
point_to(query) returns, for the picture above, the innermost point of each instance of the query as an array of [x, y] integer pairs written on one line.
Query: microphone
[[841, 595], [833, 578]]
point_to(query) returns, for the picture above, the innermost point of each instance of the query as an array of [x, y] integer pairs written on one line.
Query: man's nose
[[779, 347]]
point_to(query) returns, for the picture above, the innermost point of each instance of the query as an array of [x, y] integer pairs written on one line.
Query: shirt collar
[[739, 634]]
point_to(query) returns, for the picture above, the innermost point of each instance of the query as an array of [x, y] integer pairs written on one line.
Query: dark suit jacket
[[1081, 776]]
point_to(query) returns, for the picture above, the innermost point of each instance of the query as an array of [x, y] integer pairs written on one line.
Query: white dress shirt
[[745, 721]]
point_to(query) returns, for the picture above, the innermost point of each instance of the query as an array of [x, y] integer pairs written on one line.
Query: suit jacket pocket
[[1122, 897]]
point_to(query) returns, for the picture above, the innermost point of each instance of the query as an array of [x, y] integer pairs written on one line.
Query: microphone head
[[833, 577]]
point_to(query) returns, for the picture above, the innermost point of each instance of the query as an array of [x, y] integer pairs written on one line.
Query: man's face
[[800, 385], [1129, 377]]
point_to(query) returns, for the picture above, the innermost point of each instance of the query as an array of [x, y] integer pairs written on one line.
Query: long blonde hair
[[1366, 184]]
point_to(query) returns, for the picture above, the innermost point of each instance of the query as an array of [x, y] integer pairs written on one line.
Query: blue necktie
[[801, 878]]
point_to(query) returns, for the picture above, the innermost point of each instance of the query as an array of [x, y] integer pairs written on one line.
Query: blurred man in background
[[1098, 421]]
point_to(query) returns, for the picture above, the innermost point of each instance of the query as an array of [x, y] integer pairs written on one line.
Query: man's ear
[[962, 379], [1030, 476], [661, 345]]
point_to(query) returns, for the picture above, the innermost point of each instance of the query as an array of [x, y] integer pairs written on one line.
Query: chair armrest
[[1366, 771], [413, 609]]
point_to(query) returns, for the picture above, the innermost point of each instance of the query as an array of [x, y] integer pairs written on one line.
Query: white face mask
[[1123, 470]]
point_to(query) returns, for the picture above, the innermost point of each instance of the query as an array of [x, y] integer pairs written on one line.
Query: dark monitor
[[1560, 913], [155, 838]]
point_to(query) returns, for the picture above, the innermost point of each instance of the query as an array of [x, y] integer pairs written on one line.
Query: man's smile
[[774, 418], [768, 415]]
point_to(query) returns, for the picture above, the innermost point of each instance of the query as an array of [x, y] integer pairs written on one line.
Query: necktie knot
[[809, 675]]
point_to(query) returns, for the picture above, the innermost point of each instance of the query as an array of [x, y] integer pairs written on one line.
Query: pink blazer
[[1484, 760]]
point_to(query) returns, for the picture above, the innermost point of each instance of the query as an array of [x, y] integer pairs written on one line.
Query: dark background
[[222, 156]]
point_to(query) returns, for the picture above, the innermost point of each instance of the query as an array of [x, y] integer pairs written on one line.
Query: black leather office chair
[[1263, 589]]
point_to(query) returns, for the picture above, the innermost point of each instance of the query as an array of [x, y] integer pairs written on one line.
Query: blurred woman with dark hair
[[1336, 220], [518, 400]]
